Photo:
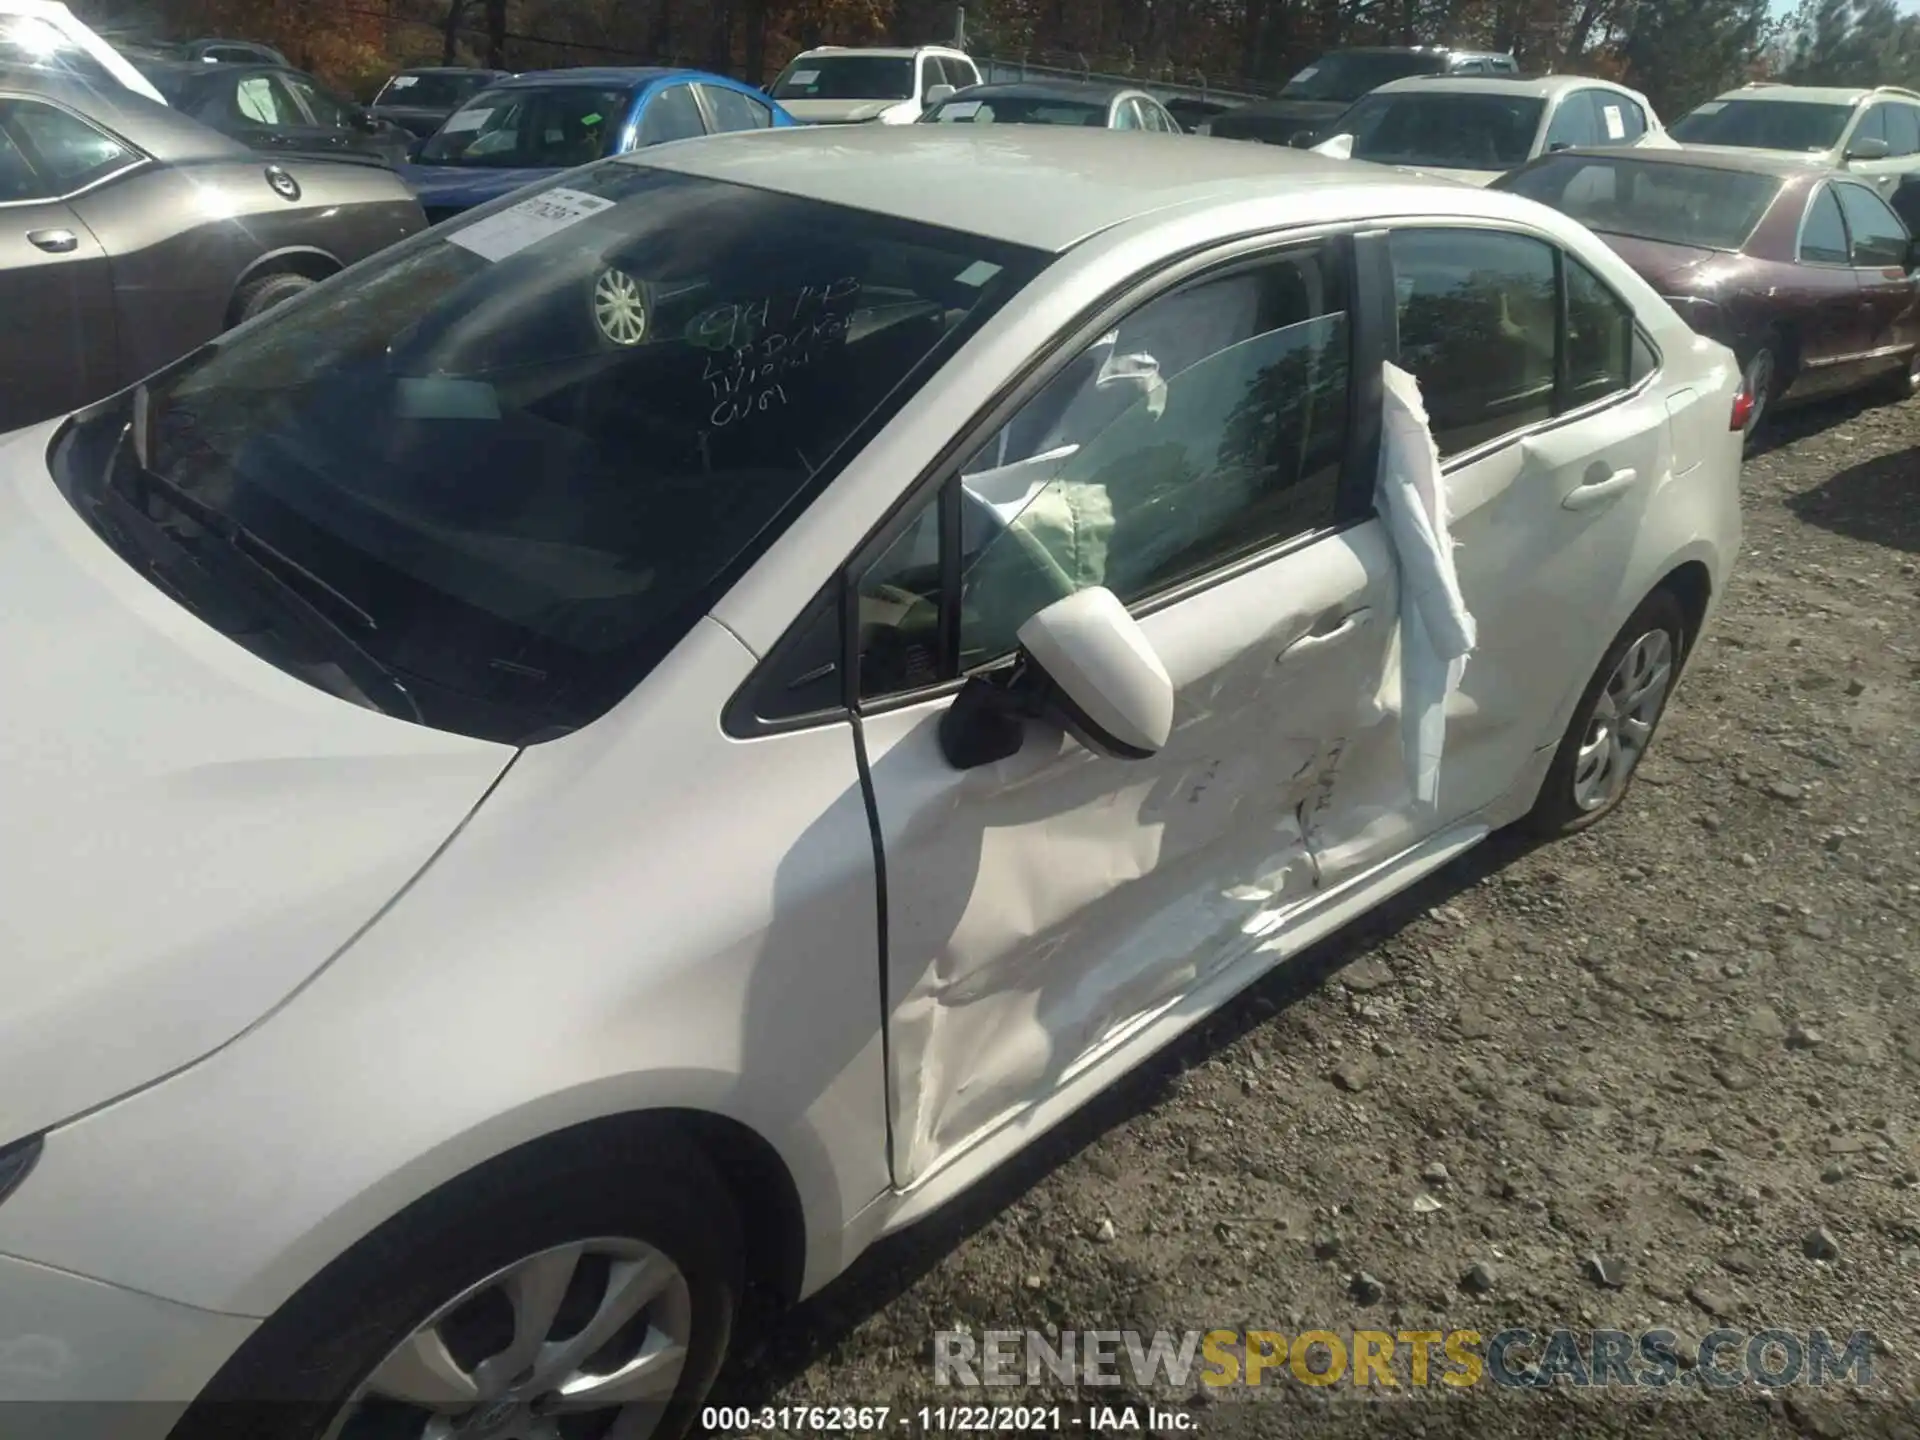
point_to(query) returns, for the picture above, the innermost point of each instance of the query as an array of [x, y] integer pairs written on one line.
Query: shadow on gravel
[[1804, 421], [1877, 501], [772, 1353]]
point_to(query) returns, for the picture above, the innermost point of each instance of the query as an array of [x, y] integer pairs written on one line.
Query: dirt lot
[[1685, 1045]]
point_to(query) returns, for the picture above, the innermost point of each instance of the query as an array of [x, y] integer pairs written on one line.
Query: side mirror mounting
[[938, 93], [1869, 149], [1084, 665]]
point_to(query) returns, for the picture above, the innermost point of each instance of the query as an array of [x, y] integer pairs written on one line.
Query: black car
[[417, 100], [278, 110], [135, 234], [1325, 89], [229, 52]]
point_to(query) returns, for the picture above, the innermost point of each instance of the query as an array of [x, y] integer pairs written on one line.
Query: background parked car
[[1873, 133], [1054, 102], [1806, 274], [533, 125], [1475, 127], [419, 100], [134, 234], [278, 110], [228, 52], [838, 85], [1324, 90], [46, 35]]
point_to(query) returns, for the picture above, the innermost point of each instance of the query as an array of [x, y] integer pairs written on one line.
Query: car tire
[[1574, 794], [256, 297], [1760, 373], [632, 1201], [1904, 383]]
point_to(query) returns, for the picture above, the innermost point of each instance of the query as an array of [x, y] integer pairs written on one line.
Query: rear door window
[[1877, 238], [69, 153], [733, 111], [1823, 234], [672, 114]]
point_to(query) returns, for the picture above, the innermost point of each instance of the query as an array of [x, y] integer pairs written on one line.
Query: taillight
[[1742, 408]]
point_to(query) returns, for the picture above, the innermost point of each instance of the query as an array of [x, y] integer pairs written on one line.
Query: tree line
[[1679, 52]]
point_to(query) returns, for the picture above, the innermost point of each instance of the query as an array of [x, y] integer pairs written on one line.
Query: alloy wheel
[[1622, 721], [620, 307], [583, 1341]]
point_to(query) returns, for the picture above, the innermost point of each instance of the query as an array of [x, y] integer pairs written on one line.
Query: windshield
[[557, 128], [1764, 125], [1349, 74], [846, 77], [1455, 131], [430, 91], [1018, 110], [1671, 204], [519, 455]]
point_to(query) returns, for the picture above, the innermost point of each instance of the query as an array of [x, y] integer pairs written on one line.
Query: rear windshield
[[1349, 74], [1018, 110], [1673, 204], [846, 77], [512, 461], [1455, 131], [553, 128], [1763, 124], [430, 91]]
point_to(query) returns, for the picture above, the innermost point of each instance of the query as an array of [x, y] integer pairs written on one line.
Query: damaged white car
[[638, 741]]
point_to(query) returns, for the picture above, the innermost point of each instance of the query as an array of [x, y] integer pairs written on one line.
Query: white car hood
[[189, 833], [843, 112]]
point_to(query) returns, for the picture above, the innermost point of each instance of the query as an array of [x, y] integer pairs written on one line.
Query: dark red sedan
[[1805, 272]]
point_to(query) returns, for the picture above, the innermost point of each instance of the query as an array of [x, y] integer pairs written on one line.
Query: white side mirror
[[937, 93], [1104, 683], [1340, 147]]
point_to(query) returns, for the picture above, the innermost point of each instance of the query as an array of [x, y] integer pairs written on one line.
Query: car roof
[[891, 52], [1089, 90], [1043, 186], [1752, 162], [1801, 94], [160, 130], [1419, 50], [1540, 87], [450, 70], [603, 75]]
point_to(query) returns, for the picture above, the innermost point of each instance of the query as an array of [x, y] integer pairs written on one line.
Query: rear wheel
[[256, 297], [1614, 722], [1760, 379], [568, 1294]]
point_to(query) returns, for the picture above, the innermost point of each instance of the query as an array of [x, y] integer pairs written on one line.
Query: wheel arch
[[1692, 585], [308, 260]]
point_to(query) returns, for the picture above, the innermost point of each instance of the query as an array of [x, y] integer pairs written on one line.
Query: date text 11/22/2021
[[942, 1419]]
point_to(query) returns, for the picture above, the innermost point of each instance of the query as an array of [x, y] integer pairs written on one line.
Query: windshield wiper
[[265, 570]]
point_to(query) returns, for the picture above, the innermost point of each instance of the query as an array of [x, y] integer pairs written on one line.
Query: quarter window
[[1208, 425], [259, 99], [671, 115], [1903, 129], [17, 181], [1872, 126], [1477, 316], [1878, 239], [1600, 338], [327, 111], [1573, 122], [1823, 238], [68, 153], [734, 111]]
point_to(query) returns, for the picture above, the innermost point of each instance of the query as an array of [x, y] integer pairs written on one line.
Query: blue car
[[531, 126]]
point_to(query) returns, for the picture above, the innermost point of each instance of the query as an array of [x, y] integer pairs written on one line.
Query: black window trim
[[1492, 446], [1354, 498], [137, 157]]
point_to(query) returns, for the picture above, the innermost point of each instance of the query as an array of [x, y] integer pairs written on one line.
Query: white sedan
[[637, 742]]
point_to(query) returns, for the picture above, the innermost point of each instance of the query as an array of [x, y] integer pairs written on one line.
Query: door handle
[[1600, 484], [54, 242], [1349, 625]]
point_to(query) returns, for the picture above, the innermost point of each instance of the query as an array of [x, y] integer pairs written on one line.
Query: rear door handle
[[1350, 625], [1600, 484], [54, 242]]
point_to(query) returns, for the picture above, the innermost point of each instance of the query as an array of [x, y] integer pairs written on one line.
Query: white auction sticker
[[960, 110], [1616, 127], [528, 223], [405, 82], [466, 120], [803, 77]]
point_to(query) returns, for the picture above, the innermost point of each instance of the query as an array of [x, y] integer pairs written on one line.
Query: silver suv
[[1873, 133]]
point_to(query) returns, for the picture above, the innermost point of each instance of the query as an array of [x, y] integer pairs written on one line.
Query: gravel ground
[[1682, 1047]]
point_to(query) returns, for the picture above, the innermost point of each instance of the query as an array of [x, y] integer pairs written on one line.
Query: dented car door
[[1197, 460]]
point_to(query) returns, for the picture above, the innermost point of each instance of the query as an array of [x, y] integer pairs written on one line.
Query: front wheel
[[1615, 720], [561, 1295]]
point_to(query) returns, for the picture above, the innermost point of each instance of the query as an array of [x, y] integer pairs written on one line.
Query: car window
[[1017, 110], [1477, 317], [1823, 234], [1126, 116], [17, 180], [1458, 130], [671, 115], [1763, 124], [67, 152], [960, 73], [1903, 128], [1207, 425], [549, 127], [734, 111], [1643, 200], [1158, 119], [1615, 117], [260, 99], [327, 110], [1574, 122], [530, 512], [1600, 338], [1872, 126], [930, 74], [1878, 240], [846, 77]]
